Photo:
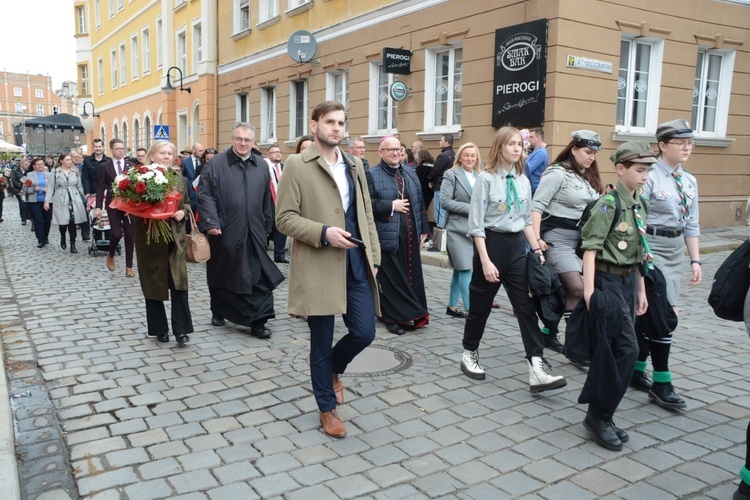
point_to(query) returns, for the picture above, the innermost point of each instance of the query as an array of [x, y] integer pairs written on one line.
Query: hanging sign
[[520, 74], [396, 61]]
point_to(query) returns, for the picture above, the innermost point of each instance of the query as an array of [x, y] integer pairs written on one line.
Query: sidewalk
[[112, 415]]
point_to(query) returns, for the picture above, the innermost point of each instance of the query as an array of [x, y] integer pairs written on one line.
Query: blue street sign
[[161, 132]]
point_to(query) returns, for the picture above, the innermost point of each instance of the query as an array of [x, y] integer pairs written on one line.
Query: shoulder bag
[[198, 248]]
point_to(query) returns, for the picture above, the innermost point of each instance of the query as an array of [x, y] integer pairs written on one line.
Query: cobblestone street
[[100, 412]]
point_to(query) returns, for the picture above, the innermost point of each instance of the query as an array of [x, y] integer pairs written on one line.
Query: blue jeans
[[439, 211]]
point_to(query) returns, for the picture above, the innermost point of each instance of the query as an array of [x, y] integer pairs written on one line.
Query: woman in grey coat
[[458, 184], [36, 189], [64, 192]]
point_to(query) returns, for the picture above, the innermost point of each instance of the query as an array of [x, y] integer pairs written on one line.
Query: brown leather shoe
[[110, 263], [338, 389], [332, 424], [129, 272]]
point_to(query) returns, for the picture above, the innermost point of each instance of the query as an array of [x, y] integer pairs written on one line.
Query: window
[[268, 114], [17, 91], [197, 46], [98, 13], [146, 40], [293, 4], [125, 135], [147, 130], [40, 109], [134, 64], [123, 65], [81, 18], [159, 44], [100, 74], [298, 109], [638, 85], [103, 134], [55, 110], [113, 67], [111, 8], [182, 52], [83, 77], [136, 134], [443, 88], [2, 129], [243, 109], [337, 88], [19, 107], [115, 132], [120, 5], [268, 9], [241, 16], [39, 93], [383, 109], [713, 86]]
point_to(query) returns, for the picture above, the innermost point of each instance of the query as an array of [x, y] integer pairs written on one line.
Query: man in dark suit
[[278, 238], [119, 223], [189, 167], [90, 178]]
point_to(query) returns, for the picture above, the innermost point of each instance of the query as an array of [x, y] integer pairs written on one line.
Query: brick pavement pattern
[[112, 415]]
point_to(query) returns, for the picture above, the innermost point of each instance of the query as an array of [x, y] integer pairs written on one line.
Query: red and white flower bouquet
[[149, 192]]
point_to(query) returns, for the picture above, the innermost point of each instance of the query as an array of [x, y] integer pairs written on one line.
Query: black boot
[[62, 242], [742, 493], [552, 342], [663, 394], [640, 381], [603, 433], [73, 247]]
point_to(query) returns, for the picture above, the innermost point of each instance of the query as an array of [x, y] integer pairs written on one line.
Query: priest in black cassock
[[236, 212], [401, 221]]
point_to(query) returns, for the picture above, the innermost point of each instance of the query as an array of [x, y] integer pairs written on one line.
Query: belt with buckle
[[669, 233], [613, 269]]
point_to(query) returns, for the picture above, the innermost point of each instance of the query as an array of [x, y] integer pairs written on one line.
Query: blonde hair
[[156, 146], [468, 145], [503, 137]]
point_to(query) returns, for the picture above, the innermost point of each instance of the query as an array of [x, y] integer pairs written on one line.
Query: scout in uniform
[[672, 226], [613, 252]]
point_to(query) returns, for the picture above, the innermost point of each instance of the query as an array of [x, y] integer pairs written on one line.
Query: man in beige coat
[[323, 203]]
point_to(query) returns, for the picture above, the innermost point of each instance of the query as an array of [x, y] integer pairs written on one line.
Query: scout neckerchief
[[648, 257], [512, 193], [681, 192]]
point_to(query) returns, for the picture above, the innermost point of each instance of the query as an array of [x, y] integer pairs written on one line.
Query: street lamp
[[168, 88], [22, 107], [85, 115]]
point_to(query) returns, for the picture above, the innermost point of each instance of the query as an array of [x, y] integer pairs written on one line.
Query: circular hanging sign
[[399, 91], [302, 46]]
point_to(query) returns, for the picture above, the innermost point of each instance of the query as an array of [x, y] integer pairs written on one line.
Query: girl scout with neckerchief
[[672, 225]]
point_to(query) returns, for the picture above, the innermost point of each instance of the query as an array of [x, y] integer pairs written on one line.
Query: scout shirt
[[562, 193], [621, 247], [489, 207], [661, 191]]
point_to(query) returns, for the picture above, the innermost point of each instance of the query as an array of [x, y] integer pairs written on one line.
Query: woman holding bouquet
[[162, 268], [36, 190], [64, 192]]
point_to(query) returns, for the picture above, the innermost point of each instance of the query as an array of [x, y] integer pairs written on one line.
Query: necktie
[[119, 168], [273, 191], [683, 198], [278, 172], [648, 257], [512, 193]]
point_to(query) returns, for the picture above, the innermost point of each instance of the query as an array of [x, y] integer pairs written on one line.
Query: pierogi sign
[[520, 74]]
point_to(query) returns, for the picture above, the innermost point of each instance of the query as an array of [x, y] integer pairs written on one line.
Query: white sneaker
[[470, 365], [540, 380]]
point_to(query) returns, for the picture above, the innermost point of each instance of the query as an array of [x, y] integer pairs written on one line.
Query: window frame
[[98, 13], [19, 107], [294, 133], [55, 110], [197, 45], [146, 50], [331, 77], [135, 68], [40, 109], [241, 19], [726, 71], [39, 93], [242, 99], [83, 77], [17, 92], [111, 6], [376, 69], [123, 64], [81, 19], [656, 60], [431, 72], [181, 48], [268, 114], [114, 67], [100, 75], [159, 43], [266, 14]]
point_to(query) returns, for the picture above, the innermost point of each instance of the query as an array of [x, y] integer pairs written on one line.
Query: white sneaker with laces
[[470, 365], [540, 380]]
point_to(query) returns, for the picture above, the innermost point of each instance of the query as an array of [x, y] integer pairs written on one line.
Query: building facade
[[126, 48], [24, 96]]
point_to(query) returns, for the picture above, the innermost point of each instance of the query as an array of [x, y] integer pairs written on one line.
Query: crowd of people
[[492, 209]]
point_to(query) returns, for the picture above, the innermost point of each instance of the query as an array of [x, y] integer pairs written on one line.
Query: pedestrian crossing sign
[[161, 132]]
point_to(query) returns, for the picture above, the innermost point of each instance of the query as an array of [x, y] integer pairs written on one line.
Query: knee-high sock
[[660, 353]]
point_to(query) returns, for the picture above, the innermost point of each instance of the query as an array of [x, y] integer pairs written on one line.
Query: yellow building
[[125, 49]]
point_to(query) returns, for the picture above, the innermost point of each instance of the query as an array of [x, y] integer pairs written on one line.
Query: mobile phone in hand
[[359, 243]]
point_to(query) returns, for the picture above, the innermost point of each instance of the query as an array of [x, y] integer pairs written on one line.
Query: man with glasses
[[401, 221], [119, 222], [357, 148], [236, 211]]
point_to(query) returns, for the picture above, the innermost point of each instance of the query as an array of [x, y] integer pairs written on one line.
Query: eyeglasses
[[242, 140], [210, 151], [391, 150], [683, 145]]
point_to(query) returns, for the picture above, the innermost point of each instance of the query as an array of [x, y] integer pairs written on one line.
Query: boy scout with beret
[[613, 253]]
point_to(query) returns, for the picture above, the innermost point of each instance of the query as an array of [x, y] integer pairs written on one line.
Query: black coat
[[545, 288], [660, 320], [236, 198], [90, 172]]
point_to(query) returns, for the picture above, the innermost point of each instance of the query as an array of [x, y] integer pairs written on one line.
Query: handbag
[[730, 285], [198, 248]]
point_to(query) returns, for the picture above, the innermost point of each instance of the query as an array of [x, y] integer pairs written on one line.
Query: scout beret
[[635, 151], [589, 138], [679, 129]]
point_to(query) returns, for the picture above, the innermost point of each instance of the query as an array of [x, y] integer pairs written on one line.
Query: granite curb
[[8, 466]]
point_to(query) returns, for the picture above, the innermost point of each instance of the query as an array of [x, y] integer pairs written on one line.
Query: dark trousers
[[609, 376], [121, 225], [42, 221], [21, 207], [70, 229], [2, 199], [279, 243], [508, 252], [326, 360], [156, 316]]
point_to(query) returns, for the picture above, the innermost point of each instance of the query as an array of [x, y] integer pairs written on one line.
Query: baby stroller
[[100, 233]]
